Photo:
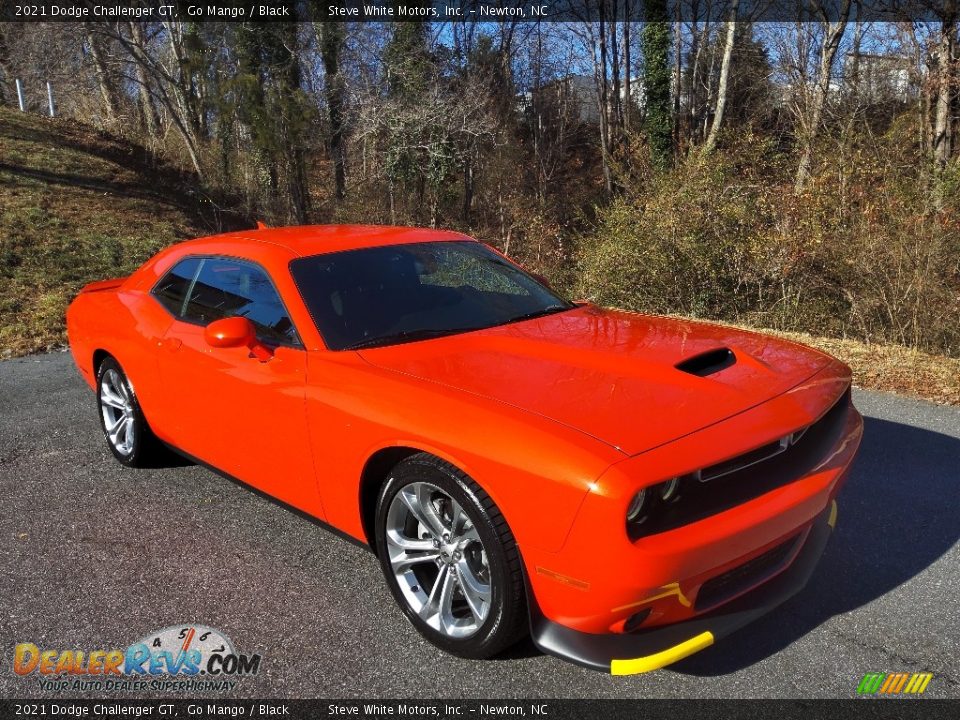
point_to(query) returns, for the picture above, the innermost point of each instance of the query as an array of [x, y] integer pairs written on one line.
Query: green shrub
[[863, 252]]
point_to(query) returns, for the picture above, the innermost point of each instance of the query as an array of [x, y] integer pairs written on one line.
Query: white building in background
[[878, 77], [580, 93]]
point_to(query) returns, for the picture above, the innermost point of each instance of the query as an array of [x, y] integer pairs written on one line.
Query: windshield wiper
[[548, 310], [408, 336]]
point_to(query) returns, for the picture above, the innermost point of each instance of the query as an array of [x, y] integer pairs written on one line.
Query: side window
[[229, 288], [172, 290]]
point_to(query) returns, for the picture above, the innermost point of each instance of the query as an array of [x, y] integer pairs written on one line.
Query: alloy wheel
[[438, 560], [116, 405]]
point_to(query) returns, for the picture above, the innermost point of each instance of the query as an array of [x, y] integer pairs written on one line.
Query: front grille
[[743, 577], [743, 461], [749, 475]]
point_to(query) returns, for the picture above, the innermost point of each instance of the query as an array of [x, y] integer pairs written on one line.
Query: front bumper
[[631, 653]]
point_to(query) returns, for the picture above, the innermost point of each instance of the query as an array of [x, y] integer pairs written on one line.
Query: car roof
[[305, 240]]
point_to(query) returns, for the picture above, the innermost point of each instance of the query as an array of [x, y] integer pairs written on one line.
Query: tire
[[464, 594], [133, 443]]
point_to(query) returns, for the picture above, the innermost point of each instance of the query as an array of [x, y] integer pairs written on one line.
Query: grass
[[892, 368], [77, 205]]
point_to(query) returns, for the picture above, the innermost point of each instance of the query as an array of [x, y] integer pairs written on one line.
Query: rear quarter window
[[172, 290]]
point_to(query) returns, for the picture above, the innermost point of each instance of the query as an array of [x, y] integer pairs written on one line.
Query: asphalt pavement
[[94, 555]]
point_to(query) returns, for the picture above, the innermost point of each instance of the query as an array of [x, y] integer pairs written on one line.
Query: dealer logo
[[178, 651], [899, 683]]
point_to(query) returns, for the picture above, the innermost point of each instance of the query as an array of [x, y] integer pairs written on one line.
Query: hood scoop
[[708, 363]]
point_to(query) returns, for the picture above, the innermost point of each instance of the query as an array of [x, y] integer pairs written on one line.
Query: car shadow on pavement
[[892, 524], [164, 457]]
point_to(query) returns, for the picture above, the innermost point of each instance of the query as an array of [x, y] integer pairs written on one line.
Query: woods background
[[797, 175]]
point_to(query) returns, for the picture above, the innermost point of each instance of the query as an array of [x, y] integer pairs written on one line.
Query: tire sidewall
[[131, 459], [476, 645]]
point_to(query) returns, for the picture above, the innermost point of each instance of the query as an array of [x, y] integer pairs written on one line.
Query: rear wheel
[[449, 558], [128, 435]]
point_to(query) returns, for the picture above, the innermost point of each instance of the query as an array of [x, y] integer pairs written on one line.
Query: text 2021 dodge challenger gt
[[630, 488]]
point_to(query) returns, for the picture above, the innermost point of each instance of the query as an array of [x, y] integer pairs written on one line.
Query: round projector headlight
[[668, 490], [635, 511]]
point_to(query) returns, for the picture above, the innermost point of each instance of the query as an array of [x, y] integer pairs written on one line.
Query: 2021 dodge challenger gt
[[628, 488]]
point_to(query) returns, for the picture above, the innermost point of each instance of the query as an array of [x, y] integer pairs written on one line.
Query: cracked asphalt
[[94, 555]]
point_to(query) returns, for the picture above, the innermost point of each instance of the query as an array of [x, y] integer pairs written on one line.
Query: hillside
[[78, 205]]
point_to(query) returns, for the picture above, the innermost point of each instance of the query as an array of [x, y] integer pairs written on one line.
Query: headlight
[[649, 501], [668, 490], [635, 511]]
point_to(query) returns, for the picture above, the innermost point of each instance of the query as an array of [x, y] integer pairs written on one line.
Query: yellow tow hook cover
[[662, 658]]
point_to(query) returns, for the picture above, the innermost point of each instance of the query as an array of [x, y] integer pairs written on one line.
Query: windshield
[[401, 293]]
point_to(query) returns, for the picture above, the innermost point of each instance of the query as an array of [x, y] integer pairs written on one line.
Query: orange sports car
[[628, 488]]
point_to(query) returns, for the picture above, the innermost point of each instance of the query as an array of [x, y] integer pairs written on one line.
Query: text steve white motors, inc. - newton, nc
[[388, 12]]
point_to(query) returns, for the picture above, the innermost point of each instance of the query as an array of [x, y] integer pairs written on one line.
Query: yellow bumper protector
[[687, 647], [662, 658]]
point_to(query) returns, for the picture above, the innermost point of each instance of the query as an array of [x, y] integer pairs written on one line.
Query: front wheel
[[449, 559]]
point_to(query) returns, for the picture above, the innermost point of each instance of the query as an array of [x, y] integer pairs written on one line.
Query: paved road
[[95, 555]]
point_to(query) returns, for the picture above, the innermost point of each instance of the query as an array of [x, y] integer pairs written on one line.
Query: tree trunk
[[711, 142], [151, 121], [616, 97], [139, 56], [627, 68], [603, 101], [184, 87], [656, 83], [693, 81], [4, 67], [297, 182], [704, 120], [331, 37], [828, 52], [852, 79], [946, 78], [677, 76], [107, 91]]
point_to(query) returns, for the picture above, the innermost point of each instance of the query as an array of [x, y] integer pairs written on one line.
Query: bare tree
[[148, 111], [711, 141], [163, 83], [330, 38], [4, 62], [551, 106], [601, 65], [108, 91], [810, 120], [699, 71], [945, 62]]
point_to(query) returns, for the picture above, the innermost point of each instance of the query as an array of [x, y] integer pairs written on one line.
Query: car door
[[242, 416]]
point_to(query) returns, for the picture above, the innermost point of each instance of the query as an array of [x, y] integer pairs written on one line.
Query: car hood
[[611, 374]]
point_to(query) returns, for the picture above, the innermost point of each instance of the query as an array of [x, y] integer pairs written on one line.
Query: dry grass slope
[[893, 368], [78, 205]]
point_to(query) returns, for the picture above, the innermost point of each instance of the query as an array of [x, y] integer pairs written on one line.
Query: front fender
[[535, 470]]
